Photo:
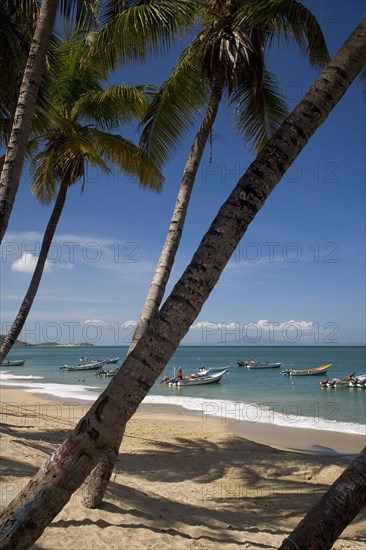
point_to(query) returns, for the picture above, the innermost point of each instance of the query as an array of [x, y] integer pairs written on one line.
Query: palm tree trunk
[[15, 153], [97, 482], [345, 499], [37, 275], [24, 520], [167, 256], [94, 491]]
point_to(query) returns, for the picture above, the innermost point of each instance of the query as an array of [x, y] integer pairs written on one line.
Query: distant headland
[[21, 344]]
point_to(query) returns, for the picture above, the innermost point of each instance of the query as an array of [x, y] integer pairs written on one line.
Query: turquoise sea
[[243, 394]]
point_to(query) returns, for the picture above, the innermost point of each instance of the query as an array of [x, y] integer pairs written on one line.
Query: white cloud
[[27, 263], [95, 322]]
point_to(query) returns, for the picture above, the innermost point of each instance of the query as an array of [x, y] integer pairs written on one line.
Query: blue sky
[[298, 275]]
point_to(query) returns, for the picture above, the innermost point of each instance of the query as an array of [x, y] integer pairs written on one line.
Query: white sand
[[180, 482]]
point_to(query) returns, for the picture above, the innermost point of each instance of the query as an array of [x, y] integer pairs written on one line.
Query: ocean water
[[243, 394]]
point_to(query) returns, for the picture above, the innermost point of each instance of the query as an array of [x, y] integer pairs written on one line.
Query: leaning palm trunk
[[15, 154], [334, 511], [167, 256], [94, 491], [24, 520], [37, 275]]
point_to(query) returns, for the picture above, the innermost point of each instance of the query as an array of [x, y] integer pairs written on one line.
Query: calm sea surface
[[243, 394]]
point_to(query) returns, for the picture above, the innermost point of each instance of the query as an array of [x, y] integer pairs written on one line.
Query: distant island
[[21, 344], [56, 345]]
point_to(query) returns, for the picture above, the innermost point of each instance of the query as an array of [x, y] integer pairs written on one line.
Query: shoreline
[[288, 438], [180, 481]]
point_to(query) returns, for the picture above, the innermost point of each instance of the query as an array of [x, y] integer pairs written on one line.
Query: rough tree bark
[[15, 153], [26, 517], [94, 491], [344, 500], [25, 308]]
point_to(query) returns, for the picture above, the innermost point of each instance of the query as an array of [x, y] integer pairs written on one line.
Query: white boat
[[358, 382], [199, 380], [252, 364], [87, 366], [15, 363], [112, 360], [108, 372], [207, 370]]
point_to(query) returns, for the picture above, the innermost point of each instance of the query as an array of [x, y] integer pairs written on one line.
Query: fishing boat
[[206, 370], [107, 372], [339, 382], [15, 363], [95, 365], [112, 360], [194, 379], [198, 381], [306, 372], [358, 382], [252, 364]]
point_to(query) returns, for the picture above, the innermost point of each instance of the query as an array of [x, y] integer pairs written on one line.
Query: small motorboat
[[15, 363], [112, 360], [194, 379], [358, 382], [252, 364], [339, 382], [306, 372], [95, 365], [206, 370], [198, 381], [107, 372]]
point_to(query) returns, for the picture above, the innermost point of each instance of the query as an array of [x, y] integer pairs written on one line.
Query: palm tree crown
[[231, 46], [75, 133]]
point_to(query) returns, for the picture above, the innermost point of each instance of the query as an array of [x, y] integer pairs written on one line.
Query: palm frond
[[258, 112], [148, 27], [64, 159], [289, 20], [44, 184], [111, 107], [175, 106], [83, 14], [128, 157]]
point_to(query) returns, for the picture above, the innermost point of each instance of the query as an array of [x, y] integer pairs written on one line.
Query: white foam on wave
[[6, 375], [290, 416], [238, 411], [62, 391]]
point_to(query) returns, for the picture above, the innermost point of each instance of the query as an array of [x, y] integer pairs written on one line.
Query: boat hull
[[15, 363], [251, 364], [202, 380], [307, 372], [90, 366]]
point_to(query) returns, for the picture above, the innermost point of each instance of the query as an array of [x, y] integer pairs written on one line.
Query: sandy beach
[[181, 482]]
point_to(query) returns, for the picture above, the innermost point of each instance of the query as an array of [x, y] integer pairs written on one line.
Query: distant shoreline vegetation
[[21, 344]]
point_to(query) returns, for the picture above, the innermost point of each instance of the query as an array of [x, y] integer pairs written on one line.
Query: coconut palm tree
[[17, 26], [26, 517], [143, 27], [76, 136], [227, 55], [21, 127]]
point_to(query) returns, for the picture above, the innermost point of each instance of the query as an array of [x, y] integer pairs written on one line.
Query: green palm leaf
[[148, 27], [289, 20], [128, 157], [258, 112], [174, 108], [114, 106], [82, 14]]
